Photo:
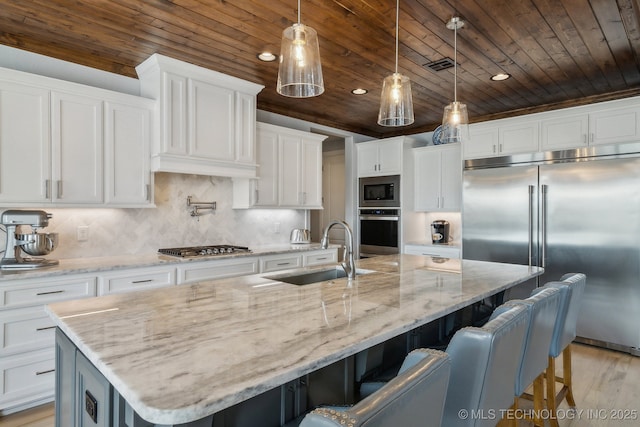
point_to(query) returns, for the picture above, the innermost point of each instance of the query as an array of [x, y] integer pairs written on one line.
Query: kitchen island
[[181, 354]]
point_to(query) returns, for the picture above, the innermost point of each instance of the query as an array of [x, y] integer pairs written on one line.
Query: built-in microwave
[[380, 192]]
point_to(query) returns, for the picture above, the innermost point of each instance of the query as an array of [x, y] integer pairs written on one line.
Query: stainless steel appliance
[[440, 231], [32, 243], [380, 191], [569, 211], [202, 251], [379, 232]]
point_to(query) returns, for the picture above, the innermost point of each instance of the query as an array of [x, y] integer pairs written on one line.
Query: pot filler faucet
[[348, 261]]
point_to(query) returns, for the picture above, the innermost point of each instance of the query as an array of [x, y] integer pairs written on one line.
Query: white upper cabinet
[[564, 132], [289, 170], [25, 147], [85, 147], [128, 179], [611, 122], [438, 178], [77, 148], [383, 157], [501, 138], [206, 120]]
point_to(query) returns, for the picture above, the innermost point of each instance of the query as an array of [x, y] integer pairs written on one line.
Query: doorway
[[333, 192]]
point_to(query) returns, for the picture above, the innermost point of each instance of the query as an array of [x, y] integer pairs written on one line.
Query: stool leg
[[566, 376], [551, 391], [538, 400]]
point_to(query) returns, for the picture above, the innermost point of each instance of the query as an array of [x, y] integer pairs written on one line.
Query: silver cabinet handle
[[147, 189], [49, 292], [543, 227], [47, 188], [494, 148], [531, 191], [59, 185], [45, 328], [45, 372], [142, 281]]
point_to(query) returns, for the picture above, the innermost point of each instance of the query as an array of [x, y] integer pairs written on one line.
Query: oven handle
[[379, 218]]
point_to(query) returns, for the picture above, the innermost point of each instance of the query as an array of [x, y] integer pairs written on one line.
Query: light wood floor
[[606, 384]]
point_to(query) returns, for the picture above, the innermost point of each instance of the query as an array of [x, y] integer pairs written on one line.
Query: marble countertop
[[181, 353], [99, 264]]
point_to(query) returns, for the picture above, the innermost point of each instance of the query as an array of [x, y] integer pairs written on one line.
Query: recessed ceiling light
[[500, 77], [359, 91], [267, 57]]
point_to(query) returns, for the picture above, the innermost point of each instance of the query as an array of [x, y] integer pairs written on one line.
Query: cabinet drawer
[[27, 378], [280, 262], [25, 329], [320, 257], [435, 251], [24, 293], [217, 270], [137, 280]]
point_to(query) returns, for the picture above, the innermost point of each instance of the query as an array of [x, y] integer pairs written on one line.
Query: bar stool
[[484, 364], [414, 398], [542, 310], [571, 287]]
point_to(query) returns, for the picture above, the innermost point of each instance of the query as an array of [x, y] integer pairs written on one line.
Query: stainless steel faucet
[[348, 261]]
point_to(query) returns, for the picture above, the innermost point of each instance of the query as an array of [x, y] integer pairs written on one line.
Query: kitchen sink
[[315, 276]]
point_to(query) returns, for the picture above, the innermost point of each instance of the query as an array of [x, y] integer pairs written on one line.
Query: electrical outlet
[[276, 227], [82, 233]]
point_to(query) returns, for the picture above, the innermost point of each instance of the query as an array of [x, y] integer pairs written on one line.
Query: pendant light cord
[[298, 11], [397, 19], [455, 63]]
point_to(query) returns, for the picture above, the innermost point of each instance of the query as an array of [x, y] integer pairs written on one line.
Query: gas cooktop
[[195, 251]]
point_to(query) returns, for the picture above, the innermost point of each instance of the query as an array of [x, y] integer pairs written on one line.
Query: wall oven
[[380, 191], [379, 232]]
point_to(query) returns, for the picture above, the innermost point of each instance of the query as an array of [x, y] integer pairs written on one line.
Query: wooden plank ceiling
[[559, 52]]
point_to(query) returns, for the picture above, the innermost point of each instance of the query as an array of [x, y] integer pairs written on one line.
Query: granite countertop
[[109, 263], [181, 353]]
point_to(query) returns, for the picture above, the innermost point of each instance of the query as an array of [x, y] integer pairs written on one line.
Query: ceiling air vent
[[440, 64]]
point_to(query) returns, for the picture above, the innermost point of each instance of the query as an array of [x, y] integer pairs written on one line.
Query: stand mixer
[[33, 243]]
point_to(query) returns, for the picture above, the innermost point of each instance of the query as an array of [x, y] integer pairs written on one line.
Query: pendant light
[[396, 103], [300, 71], [455, 121]]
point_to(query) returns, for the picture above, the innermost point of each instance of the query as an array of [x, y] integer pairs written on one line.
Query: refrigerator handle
[[531, 190], [543, 227]]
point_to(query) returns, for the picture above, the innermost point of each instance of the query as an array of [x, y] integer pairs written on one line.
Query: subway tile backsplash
[[139, 231]]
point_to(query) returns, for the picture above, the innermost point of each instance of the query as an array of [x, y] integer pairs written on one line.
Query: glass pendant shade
[[300, 71], [455, 123], [396, 103]]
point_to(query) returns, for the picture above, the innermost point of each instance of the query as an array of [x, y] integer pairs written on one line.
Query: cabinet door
[[267, 155], [245, 128], [173, 114], [290, 170], [390, 157], [427, 179], [77, 147], [93, 395], [519, 138], [614, 126], [451, 179], [127, 174], [311, 174], [367, 159], [564, 132], [211, 121], [25, 157], [483, 142]]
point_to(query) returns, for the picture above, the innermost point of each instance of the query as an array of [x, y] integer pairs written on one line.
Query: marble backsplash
[[140, 231]]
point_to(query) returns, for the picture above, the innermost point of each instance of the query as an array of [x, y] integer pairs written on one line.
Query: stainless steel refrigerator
[[569, 211]]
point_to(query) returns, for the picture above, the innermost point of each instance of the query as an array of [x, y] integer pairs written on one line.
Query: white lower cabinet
[[433, 250], [217, 269], [137, 279], [319, 257], [271, 263], [27, 358]]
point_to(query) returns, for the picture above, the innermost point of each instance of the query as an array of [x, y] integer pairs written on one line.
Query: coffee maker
[[33, 243], [440, 231]]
